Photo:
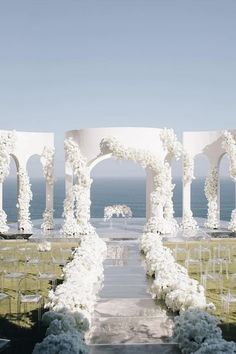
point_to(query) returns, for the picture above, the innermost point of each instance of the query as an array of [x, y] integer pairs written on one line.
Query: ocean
[[109, 191]]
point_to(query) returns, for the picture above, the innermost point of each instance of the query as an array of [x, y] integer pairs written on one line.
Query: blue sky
[[70, 64]]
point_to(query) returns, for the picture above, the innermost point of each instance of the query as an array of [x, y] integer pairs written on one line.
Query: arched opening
[[227, 189], [10, 191], [198, 198], [37, 181], [118, 182]]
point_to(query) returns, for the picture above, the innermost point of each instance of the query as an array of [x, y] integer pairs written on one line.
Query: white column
[[149, 190], [186, 197]]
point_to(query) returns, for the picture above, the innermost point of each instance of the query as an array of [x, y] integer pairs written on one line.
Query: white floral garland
[[77, 202], [47, 160], [24, 197], [171, 281], [72, 303], [161, 197], [119, 210], [229, 144], [211, 192], [7, 145]]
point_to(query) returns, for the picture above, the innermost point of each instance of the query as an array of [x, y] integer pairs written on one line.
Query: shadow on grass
[[228, 331], [23, 339]]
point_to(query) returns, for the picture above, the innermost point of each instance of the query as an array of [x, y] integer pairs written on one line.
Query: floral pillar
[[188, 222], [24, 198], [229, 144], [77, 201], [47, 160], [212, 195]]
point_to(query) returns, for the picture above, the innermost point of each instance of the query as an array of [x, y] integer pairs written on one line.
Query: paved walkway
[[126, 319]]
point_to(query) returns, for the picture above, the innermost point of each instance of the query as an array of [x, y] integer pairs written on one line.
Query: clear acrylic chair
[[6, 297], [229, 298], [11, 272], [212, 277], [29, 296], [45, 274]]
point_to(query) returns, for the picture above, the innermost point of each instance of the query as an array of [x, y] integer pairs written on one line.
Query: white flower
[[118, 210], [44, 246]]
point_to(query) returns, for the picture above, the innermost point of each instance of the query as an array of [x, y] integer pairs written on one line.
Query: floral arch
[[136, 147]]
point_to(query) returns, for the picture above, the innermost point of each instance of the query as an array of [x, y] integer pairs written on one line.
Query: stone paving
[[126, 319]]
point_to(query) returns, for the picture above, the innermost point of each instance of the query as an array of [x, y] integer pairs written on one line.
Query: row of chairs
[[21, 264]]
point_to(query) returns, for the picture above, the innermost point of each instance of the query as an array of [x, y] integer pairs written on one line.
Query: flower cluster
[[171, 281], [44, 246], [188, 165], [72, 303], [7, 145], [24, 197], [3, 221], [211, 192], [48, 223], [188, 222], [229, 145], [197, 332], [161, 197], [77, 202], [119, 210], [47, 160], [232, 223], [170, 142]]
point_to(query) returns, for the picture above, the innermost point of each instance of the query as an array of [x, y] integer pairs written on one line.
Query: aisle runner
[[126, 319]]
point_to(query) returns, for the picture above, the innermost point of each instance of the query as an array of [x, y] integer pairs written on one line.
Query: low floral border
[[71, 305], [195, 330]]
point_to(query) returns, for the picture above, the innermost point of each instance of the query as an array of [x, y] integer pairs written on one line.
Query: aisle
[[126, 319]]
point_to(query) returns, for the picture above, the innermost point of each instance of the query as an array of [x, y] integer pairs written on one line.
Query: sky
[[71, 64]]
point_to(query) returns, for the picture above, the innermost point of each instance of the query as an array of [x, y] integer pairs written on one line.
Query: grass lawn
[[16, 256], [213, 293]]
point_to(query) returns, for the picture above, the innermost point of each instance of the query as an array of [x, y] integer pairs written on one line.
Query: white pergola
[[26, 145]]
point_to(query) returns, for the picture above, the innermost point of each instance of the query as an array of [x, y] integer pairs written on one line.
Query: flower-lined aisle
[[195, 330], [71, 305]]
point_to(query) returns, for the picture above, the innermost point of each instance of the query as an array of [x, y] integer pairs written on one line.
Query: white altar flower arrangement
[[171, 281], [161, 197], [24, 198], [77, 202], [197, 332], [44, 246], [72, 303], [7, 145], [47, 160], [229, 145], [171, 143], [211, 192], [119, 210]]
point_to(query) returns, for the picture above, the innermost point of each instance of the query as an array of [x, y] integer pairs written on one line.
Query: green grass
[[23, 329]]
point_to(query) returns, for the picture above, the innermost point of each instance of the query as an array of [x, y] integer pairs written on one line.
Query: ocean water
[[109, 191]]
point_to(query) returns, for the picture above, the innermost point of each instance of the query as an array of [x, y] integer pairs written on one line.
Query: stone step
[[132, 307], [135, 349], [127, 330]]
